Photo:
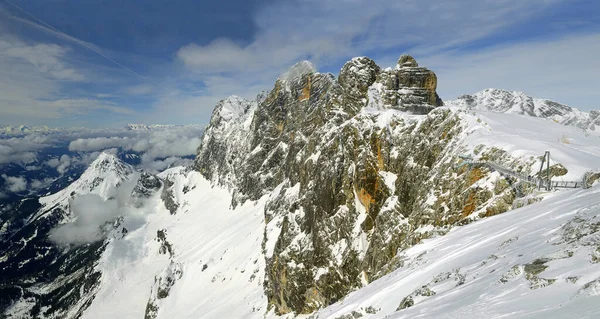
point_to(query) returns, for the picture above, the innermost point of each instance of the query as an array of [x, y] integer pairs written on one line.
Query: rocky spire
[[407, 61]]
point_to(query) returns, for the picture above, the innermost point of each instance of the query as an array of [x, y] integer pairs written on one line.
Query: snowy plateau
[[221, 237]]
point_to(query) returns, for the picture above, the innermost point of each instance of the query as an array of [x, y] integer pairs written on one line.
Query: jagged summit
[[298, 70], [108, 163], [407, 61], [515, 102], [301, 103], [102, 177], [232, 107], [315, 144]]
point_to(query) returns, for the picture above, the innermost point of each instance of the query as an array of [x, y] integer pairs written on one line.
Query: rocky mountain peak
[[297, 71], [359, 73], [231, 108], [407, 61], [276, 125], [313, 146], [108, 163]]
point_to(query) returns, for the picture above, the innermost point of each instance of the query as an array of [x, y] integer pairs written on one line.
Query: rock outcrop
[[356, 169]]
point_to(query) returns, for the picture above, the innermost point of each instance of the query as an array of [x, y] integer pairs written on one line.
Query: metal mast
[[548, 171]]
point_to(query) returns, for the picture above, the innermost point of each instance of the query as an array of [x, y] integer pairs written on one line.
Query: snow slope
[[217, 249], [524, 136], [490, 269]]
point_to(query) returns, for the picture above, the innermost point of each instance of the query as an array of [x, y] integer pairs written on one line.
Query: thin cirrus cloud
[[344, 29], [32, 77]]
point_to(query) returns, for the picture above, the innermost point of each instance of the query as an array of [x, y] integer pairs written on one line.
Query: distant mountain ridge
[[145, 127], [515, 102], [25, 129], [17, 130]]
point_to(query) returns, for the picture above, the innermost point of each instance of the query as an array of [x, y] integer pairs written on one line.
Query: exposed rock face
[[408, 87], [502, 101], [349, 187], [406, 60]]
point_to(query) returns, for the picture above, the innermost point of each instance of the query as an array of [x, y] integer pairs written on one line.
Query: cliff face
[[356, 169]]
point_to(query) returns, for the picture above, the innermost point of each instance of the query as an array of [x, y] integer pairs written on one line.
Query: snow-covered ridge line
[[515, 102]]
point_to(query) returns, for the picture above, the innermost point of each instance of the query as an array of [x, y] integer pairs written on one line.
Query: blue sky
[[105, 63]]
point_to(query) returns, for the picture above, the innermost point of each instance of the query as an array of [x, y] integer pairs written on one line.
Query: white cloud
[[23, 149], [64, 163], [323, 30], [7, 156], [53, 162], [46, 58], [156, 143], [156, 166], [94, 216], [90, 211], [37, 184], [220, 54], [15, 184], [31, 83]]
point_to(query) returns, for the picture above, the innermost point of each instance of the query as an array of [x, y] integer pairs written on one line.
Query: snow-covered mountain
[[326, 197], [513, 102], [40, 275]]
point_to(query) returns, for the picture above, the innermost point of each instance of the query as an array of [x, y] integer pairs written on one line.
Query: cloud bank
[[160, 148], [64, 151], [90, 212]]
